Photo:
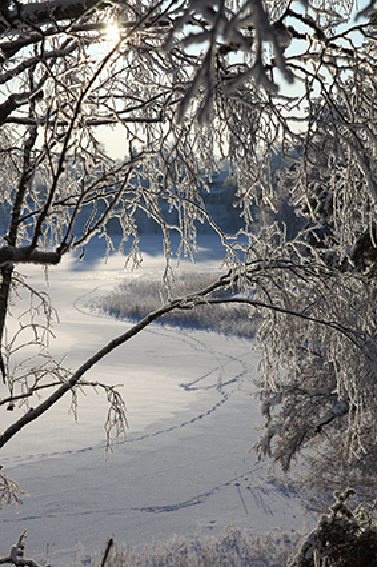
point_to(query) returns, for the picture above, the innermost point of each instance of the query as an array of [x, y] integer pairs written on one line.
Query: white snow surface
[[185, 466]]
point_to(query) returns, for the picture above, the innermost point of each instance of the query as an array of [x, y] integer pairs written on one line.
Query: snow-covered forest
[[248, 131]]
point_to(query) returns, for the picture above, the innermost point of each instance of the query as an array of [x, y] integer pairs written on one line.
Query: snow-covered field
[[185, 465]]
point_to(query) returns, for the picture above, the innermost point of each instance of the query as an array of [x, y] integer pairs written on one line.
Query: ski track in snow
[[256, 494]]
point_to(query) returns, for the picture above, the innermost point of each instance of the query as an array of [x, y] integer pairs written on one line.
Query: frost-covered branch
[[10, 493], [14, 101], [33, 414], [11, 254], [16, 556]]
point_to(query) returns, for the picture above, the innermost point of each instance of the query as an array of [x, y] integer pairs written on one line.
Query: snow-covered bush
[[343, 538], [233, 549]]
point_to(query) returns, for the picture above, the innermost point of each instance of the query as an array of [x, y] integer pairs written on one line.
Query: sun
[[112, 33]]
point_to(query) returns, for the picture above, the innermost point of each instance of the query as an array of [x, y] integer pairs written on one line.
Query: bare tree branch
[[12, 255]]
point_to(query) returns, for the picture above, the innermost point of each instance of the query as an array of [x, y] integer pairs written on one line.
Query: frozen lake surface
[[185, 465]]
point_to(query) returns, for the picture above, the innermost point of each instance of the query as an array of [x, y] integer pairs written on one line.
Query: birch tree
[[191, 83]]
